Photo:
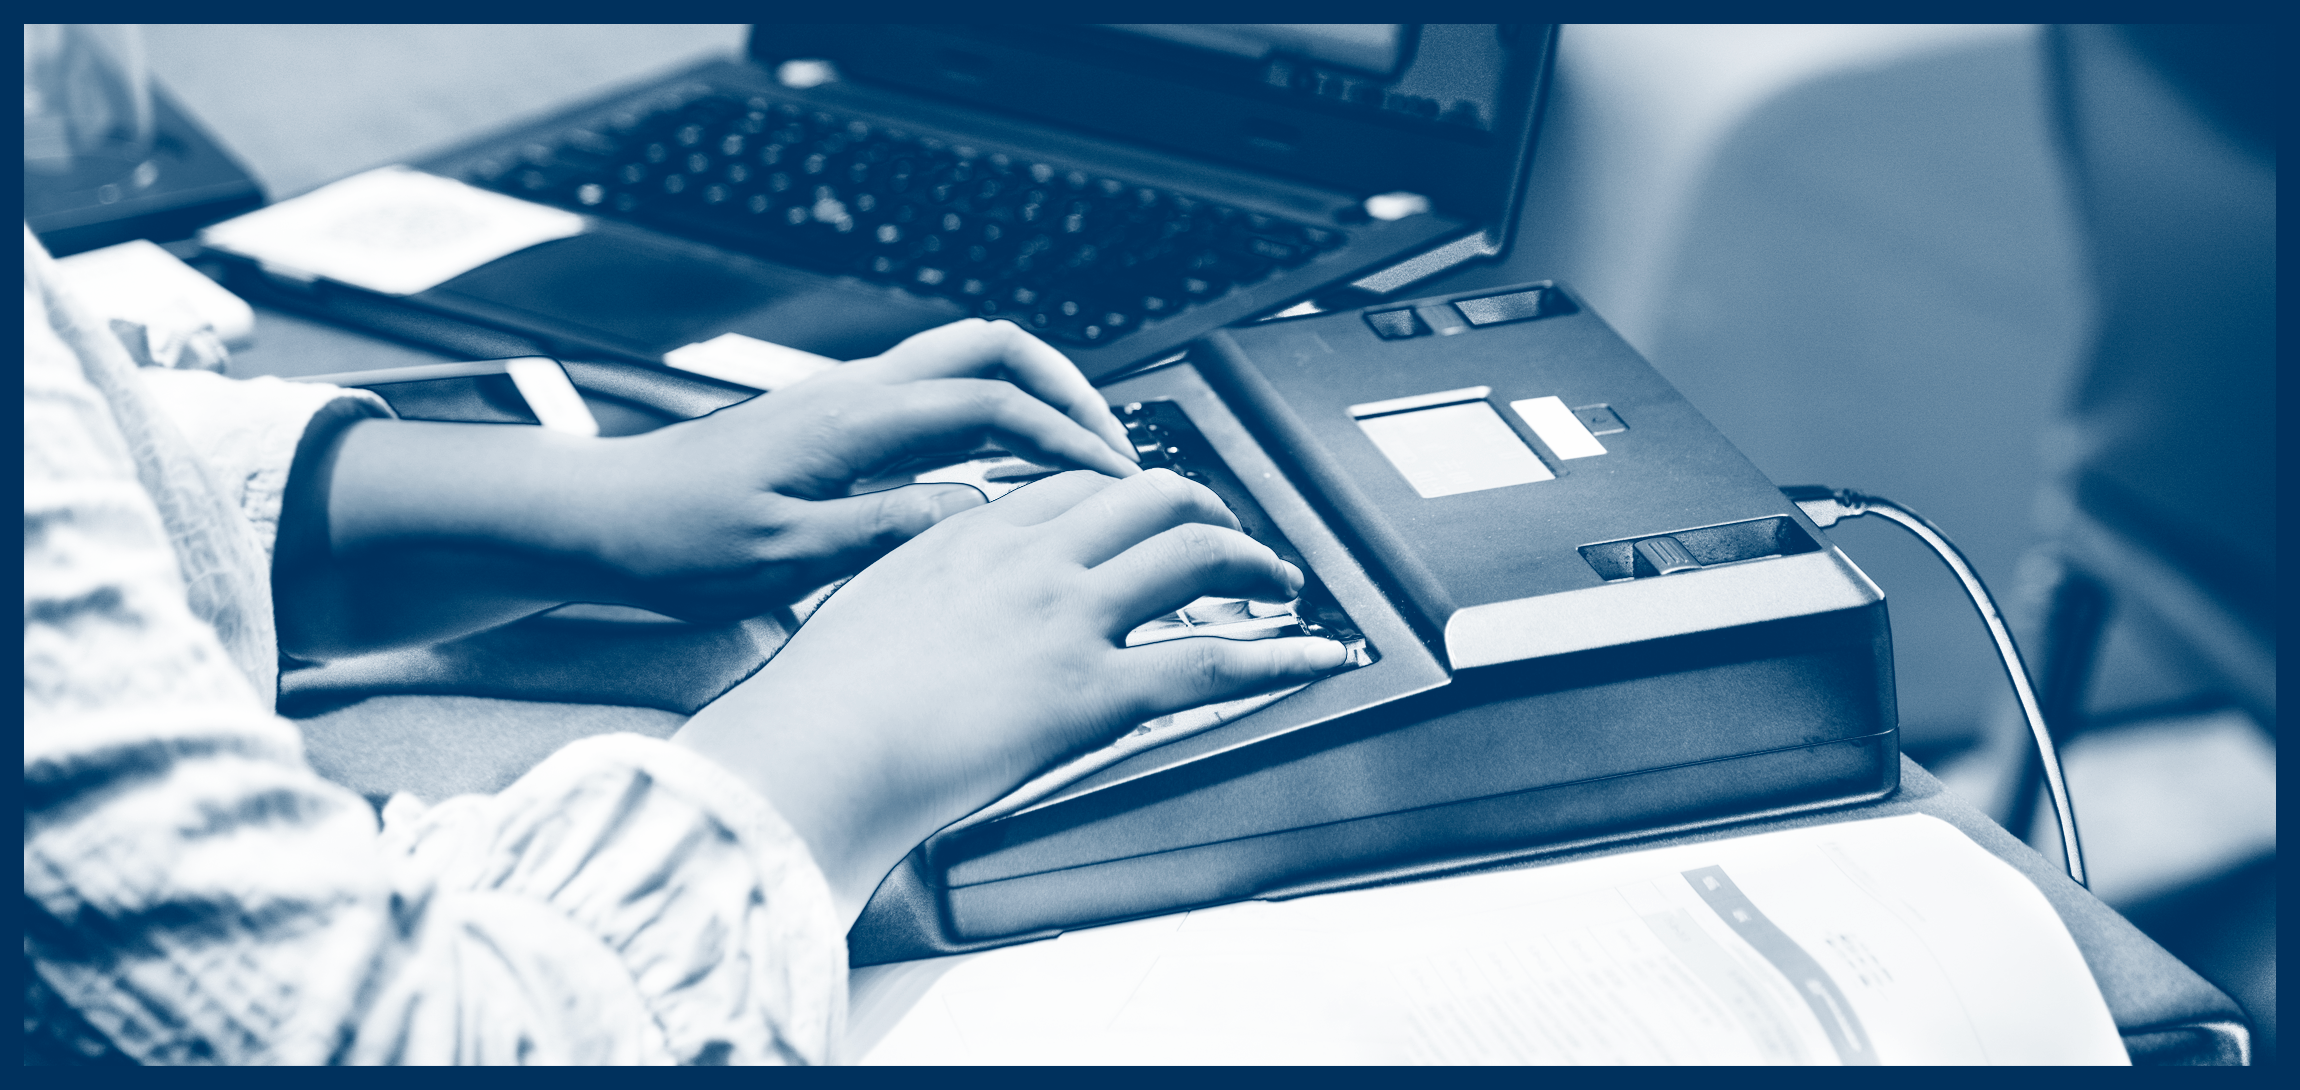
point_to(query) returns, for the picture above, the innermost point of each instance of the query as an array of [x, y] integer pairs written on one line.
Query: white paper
[[1454, 449], [1905, 943], [1566, 435], [749, 361], [551, 395], [391, 230], [145, 284]]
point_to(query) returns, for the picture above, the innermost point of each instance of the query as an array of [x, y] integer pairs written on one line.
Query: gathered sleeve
[[684, 894], [195, 893], [248, 430]]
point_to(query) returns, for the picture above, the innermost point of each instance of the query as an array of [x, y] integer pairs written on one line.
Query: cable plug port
[[1824, 505]]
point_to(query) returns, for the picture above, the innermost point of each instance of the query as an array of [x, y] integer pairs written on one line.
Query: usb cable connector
[[1828, 506]]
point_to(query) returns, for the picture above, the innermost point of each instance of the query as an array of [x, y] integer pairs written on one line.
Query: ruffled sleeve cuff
[[247, 430], [704, 893]]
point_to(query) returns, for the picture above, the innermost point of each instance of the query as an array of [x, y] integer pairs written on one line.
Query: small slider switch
[[1496, 309], [1442, 320], [1516, 306], [1663, 556], [1396, 325]]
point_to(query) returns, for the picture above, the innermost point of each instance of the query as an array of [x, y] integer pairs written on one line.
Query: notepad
[[142, 283], [391, 230], [749, 361]]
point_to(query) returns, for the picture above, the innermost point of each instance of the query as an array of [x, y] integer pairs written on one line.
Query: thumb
[[847, 534]]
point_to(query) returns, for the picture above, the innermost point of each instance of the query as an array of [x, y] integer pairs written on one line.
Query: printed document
[[1889, 941], [391, 230]]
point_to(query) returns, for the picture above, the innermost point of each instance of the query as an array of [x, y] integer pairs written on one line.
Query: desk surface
[[439, 746]]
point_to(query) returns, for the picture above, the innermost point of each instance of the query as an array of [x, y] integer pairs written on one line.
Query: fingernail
[[1295, 580], [1325, 655]]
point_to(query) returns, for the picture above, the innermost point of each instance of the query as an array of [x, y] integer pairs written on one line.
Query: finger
[[837, 538], [943, 414], [1184, 564], [1168, 677], [1043, 499], [1113, 520], [973, 348]]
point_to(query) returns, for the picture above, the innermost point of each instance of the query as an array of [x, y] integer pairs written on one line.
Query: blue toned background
[[1850, 246]]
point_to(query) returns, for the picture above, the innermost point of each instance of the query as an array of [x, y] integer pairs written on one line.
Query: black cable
[[1827, 506]]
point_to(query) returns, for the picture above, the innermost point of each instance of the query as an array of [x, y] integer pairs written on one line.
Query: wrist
[[493, 488], [828, 772], [569, 497]]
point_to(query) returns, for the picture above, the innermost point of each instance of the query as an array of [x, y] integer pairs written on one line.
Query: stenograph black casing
[[1537, 682]]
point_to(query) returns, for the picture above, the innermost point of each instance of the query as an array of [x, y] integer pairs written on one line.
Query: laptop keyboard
[[1077, 258]]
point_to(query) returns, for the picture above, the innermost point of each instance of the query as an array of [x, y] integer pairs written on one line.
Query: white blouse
[[194, 893]]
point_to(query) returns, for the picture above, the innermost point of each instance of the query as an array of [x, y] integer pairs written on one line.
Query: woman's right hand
[[986, 649]]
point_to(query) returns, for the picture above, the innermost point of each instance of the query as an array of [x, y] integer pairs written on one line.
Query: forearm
[[396, 533], [400, 533]]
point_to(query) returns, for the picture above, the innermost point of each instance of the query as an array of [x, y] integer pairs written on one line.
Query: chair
[[2165, 503]]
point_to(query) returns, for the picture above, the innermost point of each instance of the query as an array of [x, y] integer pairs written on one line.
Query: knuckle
[[1196, 498], [968, 331], [1207, 663], [890, 519], [1196, 544], [1078, 483], [1010, 333], [1173, 491], [993, 398]]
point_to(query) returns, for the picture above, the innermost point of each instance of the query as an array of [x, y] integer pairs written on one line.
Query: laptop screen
[[1445, 73], [1367, 47], [1441, 109]]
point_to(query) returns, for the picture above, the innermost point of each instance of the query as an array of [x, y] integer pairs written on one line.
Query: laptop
[[1117, 190]]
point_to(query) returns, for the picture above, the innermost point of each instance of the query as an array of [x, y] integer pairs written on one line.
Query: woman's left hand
[[399, 533], [747, 508]]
